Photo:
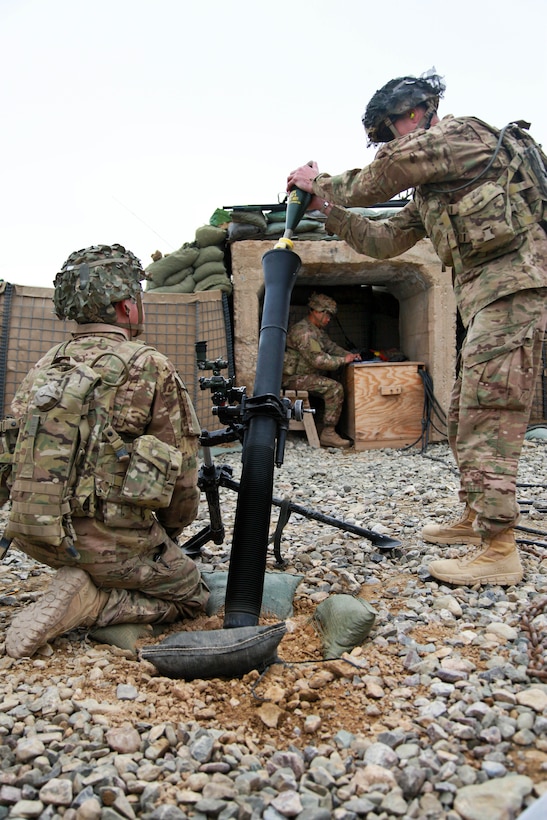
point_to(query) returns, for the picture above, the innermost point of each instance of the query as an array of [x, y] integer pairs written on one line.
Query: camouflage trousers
[[491, 403], [147, 581], [331, 391]]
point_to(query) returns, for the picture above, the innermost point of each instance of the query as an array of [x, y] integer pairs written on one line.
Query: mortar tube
[[245, 584]]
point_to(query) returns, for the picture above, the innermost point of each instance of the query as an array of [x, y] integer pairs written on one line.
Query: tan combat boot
[[330, 438], [72, 600], [460, 532], [496, 562]]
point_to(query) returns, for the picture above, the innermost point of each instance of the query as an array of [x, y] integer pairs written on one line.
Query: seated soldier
[[123, 565], [309, 355]]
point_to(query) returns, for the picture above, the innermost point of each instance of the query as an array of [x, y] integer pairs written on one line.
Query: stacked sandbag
[[174, 271], [309, 227], [209, 268], [195, 266], [246, 223]]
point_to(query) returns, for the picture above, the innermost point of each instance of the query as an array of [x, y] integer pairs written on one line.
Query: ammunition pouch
[[483, 220], [152, 472]]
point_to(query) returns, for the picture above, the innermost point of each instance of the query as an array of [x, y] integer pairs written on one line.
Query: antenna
[[143, 222]]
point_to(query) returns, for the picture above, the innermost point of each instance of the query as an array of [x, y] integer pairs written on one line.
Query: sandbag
[[238, 231], [216, 653], [178, 276], [209, 269], [276, 216], [211, 253], [343, 623], [249, 218], [277, 596], [209, 235], [178, 260], [215, 282], [186, 286], [220, 217]]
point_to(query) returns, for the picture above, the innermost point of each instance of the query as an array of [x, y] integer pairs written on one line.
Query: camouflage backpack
[[68, 422]]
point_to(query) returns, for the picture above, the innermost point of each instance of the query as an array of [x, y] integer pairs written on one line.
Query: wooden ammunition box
[[384, 404]]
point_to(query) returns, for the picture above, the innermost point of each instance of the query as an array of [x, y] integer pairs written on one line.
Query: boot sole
[[500, 580], [451, 539], [24, 646]]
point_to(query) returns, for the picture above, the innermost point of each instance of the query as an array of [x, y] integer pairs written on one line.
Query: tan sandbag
[[184, 257], [186, 286], [215, 282], [211, 253], [209, 235], [209, 269]]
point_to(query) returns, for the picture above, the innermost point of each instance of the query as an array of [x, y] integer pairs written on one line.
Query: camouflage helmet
[[323, 303], [93, 279], [395, 98]]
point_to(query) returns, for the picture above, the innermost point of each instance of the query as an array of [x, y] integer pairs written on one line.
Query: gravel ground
[[440, 713]]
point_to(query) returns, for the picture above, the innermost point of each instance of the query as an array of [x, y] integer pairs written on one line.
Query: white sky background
[[131, 121]]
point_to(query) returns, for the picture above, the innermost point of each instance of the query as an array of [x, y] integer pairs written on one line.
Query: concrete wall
[[427, 312]]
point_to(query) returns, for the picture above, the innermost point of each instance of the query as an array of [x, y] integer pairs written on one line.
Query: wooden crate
[[383, 404]]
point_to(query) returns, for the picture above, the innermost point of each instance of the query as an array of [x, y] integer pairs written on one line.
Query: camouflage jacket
[[310, 350], [152, 401], [434, 163]]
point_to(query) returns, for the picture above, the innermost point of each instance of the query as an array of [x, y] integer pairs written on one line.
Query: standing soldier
[[121, 564], [480, 195], [309, 355]]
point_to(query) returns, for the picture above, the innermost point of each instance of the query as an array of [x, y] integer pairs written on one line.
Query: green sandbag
[[220, 217], [306, 225], [209, 269], [209, 235], [179, 276], [277, 597], [215, 282], [211, 253], [178, 260], [343, 623], [238, 231], [277, 216], [186, 286], [125, 636], [249, 218], [275, 229]]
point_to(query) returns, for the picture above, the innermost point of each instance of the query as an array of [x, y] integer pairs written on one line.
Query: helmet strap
[[430, 112], [391, 127], [134, 330]]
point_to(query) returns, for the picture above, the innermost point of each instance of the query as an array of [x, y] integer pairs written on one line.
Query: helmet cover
[[93, 279], [395, 98], [322, 303]]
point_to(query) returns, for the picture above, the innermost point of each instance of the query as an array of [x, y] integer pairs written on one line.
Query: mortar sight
[[204, 363]]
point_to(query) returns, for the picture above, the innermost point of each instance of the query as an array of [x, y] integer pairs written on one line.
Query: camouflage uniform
[[310, 353], [130, 550], [501, 295]]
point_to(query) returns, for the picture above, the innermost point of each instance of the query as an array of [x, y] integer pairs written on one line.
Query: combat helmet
[[398, 96], [93, 279], [322, 302]]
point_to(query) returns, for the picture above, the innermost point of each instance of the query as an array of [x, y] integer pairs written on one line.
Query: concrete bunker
[[406, 302]]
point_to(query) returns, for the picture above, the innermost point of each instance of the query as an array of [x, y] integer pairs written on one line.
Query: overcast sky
[[131, 121]]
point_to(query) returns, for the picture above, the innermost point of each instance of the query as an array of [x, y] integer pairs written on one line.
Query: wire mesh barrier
[[174, 322]]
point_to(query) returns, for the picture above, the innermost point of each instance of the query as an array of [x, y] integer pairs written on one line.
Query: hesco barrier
[[173, 324]]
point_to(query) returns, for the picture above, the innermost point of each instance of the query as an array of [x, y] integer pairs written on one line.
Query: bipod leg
[[284, 515]]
